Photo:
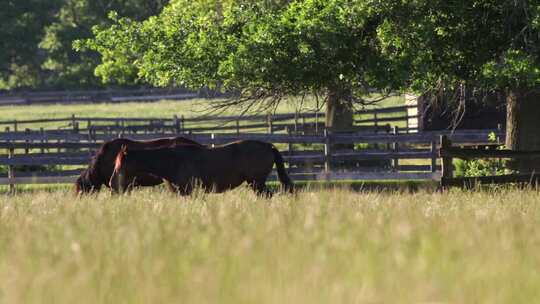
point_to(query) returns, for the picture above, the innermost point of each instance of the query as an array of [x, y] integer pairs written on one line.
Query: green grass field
[[331, 243], [160, 109], [322, 246]]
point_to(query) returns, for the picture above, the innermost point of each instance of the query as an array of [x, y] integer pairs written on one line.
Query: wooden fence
[[372, 120], [447, 153], [380, 156]]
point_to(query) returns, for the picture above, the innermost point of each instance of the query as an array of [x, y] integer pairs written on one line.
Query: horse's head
[[119, 180], [84, 183]]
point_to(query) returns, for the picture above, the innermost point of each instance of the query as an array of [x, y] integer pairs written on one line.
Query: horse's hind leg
[[260, 189]]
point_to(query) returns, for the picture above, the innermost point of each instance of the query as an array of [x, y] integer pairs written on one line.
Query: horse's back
[[243, 155], [117, 143], [247, 146], [227, 166]]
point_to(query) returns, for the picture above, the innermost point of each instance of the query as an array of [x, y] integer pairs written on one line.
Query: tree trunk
[[339, 118], [523, 126], [339, 111]]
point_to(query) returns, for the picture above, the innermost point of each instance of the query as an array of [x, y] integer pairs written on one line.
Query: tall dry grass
[[322, 246]]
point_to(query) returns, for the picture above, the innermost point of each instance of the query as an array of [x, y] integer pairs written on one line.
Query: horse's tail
[[282, 174]]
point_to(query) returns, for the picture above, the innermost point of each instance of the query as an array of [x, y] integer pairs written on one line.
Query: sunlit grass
[[321, 246], [160, 109]]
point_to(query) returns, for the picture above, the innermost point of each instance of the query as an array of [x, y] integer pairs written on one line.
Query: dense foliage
[[261, 48], [341, 47], [272, 46], [37, 36], [22, 25], [490, 44]]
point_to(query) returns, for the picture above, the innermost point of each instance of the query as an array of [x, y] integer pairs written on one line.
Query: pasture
[[163, 108], [332, 245]]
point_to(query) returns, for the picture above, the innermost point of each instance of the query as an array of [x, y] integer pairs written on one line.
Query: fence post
[[289, 144], [212, 140], [407, 121], [270, 126], [11, 171], [74, 124], [182, 123], [117, 128], [375, 121], [73, 121], [295, 122], [176, 124], [433, 149], [42, 135], [15, 126], [237, 127], [89, 130], [317, 122], [446, 165], [123, 126], [327, 151], [395, 148], [7, 131], [26, 141]]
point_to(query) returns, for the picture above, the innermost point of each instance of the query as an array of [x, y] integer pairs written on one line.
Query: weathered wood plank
[[38, 180], [36, 161], [384, 119], [366, 176], [491, 153], [469, 182], [49, 145], [46, 173], [48, 155]]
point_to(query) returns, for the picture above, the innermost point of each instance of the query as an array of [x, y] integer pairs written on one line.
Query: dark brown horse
[[214, 169], [101, 167]]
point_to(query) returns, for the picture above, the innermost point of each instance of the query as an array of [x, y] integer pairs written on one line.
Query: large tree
[[37, 36], [22, 24], [74, 20], [262, 50], [472, 44]]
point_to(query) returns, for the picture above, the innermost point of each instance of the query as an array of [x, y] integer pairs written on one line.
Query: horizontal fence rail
[[447, 153], [298, 122]]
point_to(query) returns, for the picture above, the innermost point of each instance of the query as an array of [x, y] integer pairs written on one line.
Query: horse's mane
[[93, 167], [119, 158]]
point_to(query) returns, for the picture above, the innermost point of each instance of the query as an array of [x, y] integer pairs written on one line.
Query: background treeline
[[37, 36]]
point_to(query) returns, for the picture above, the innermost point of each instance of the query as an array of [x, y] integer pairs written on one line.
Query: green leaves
[[275, 47], [295, 47], [21, 28], [514, 69], [36, 49], [491, 44]]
